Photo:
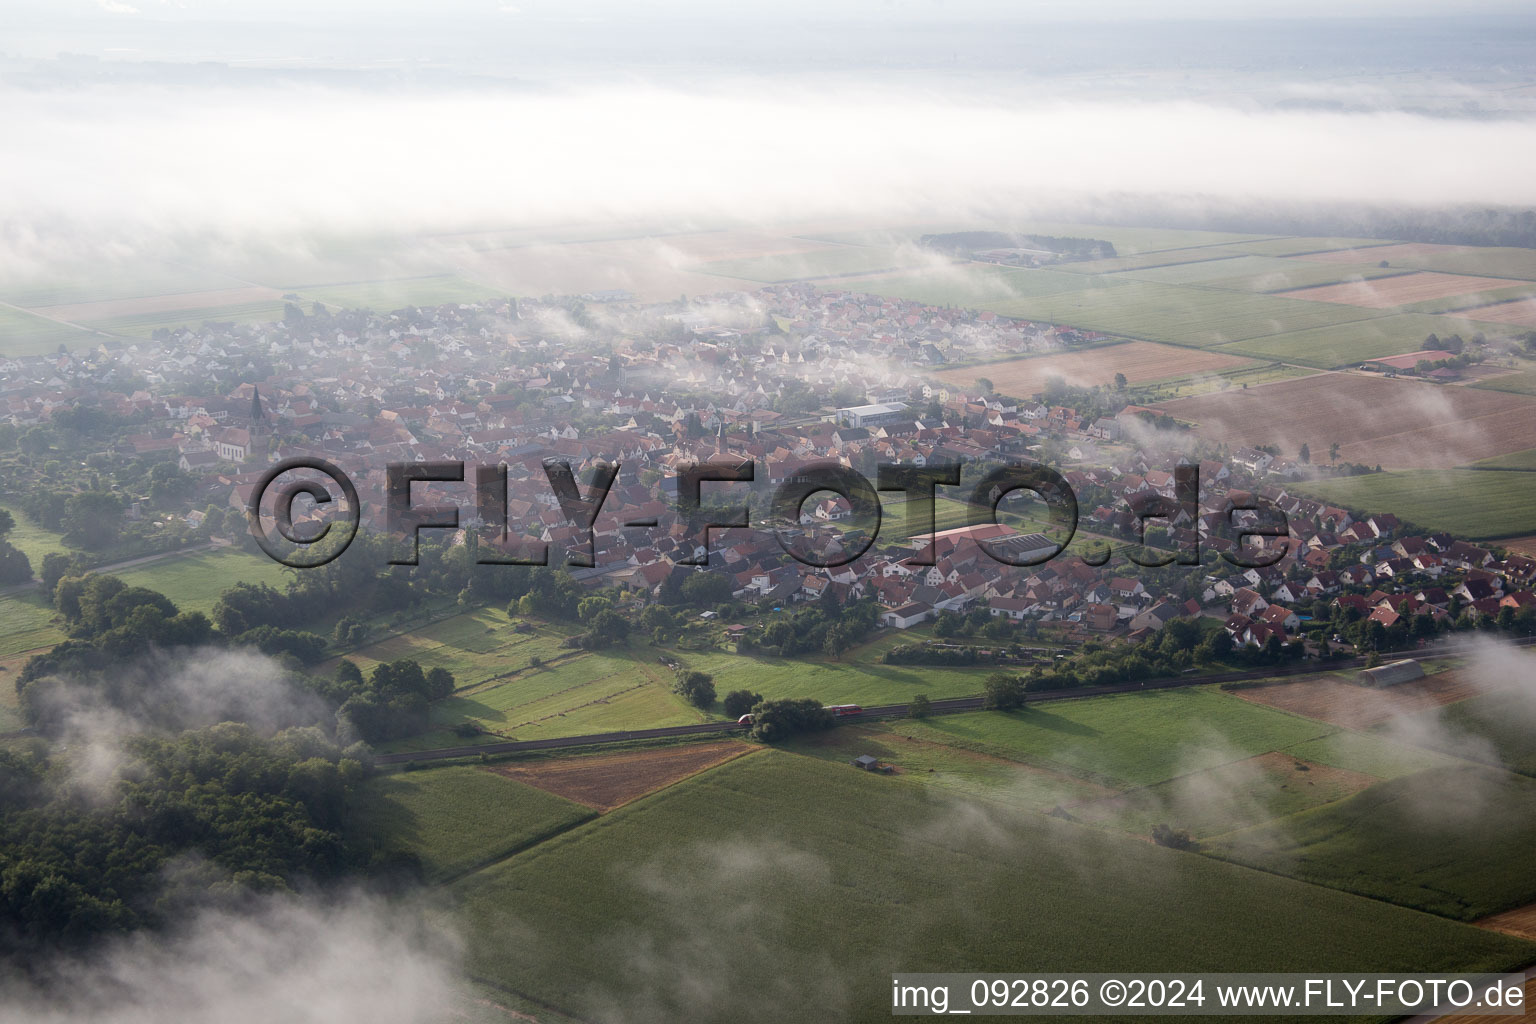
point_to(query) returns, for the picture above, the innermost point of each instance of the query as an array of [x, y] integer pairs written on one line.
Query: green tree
[[697, 688], [920, 706], [739, 702], [1002, 692]]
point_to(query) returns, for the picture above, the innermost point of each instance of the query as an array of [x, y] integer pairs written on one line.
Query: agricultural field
[[1352, 343], [1521, 545], [1290, 246], [1521, 381], [1205, 383], [1235, 795], [945, 767], [1453, 841], [32, 540], [1369, 754], [103, 280], [1397, 423], [1520, 311], [22, 334], [102, 310], [605, 782], [1471, 503], [459, 818], [26, 624], [682, 896], [1467, 304], [1521, 922], [1399, 289], [1187, 257], [832, 261], [1339, 701], [581, 692], [1257, 273], [975, 285], [1140, 361], [1490, 261], [398, 293], [1496, 728], [142, 325], [194, 581], [1133, 739]]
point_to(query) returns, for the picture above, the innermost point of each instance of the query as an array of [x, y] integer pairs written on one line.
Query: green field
[[1479, 261], [1258, 273], [1493, 727], [1222, 380], [1468, 300], [1176, 314], [33, 541], [1521, 382], [432, 290], [195, 581], [105, 280], [1133, 739], [142, 325], [851, 259], [1347, 344], [967, 772], [668, 908], [582, 692], [459, 818], [1368, 753], [1513, 461], [22, 334], [26, 624], [1454, 841], [1296, 246], [1466, 502], [1229, 796]]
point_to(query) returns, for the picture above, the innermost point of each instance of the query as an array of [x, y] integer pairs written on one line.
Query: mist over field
[[99, 171]]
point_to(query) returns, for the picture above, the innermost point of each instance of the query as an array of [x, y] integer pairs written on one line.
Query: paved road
[[939, 707]]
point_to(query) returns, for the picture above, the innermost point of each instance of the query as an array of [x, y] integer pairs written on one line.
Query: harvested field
[[1521, 921], [1396, 423], [1521, 311], [1333, 699], [1397, 290], [1140, 361], [1521, 545], [1377, 253], [607, 781], [112, 309]]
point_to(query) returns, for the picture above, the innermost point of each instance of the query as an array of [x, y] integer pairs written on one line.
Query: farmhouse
[[1393, 674]]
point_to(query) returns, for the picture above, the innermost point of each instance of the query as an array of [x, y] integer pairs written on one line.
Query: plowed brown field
[[1332, 699], [607, 781]]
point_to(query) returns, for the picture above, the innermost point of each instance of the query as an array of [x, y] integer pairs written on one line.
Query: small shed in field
[[1393, 674], [866, 762]]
